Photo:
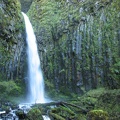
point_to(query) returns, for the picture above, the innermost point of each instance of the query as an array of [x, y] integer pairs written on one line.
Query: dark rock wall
[[25, 5]]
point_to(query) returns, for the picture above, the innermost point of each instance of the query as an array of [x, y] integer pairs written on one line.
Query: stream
[[11, 115]]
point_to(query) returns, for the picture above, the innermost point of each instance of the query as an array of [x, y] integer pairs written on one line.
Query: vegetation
[[9, 88], [94, 105], [11, 50], [79, 45], [34, 114], [97, 115], [11, 40]]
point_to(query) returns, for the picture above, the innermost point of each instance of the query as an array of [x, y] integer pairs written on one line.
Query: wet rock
[[35, 114], [25, 5], [20, 114]]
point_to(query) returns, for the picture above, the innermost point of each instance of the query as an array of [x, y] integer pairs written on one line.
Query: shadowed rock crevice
[[25, 5]]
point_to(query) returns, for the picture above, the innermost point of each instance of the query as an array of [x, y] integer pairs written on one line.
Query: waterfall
[[36, 83]]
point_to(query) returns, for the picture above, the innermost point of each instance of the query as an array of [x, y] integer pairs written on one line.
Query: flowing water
[[36, 83]]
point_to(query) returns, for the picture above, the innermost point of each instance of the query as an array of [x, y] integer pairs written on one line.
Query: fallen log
[[55, 116], [73, 105], [62, 103]]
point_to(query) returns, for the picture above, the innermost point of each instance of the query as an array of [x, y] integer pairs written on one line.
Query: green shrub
[[97, 115], [9, 88], [34, 114]]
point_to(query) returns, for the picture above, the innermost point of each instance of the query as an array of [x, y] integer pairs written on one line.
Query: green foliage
[[108, 99], [34, 114], [56, 117], [115, 72], [49, 85], [97, 115], [9, 88], [62, 113], [100, 104], [6, 108], [10, 38], [101, 99], [79, 43]]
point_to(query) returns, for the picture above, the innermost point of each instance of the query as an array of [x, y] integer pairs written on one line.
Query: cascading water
[[36, 83]]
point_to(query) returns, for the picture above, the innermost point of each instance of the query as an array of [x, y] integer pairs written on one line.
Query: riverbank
[[93, 103]]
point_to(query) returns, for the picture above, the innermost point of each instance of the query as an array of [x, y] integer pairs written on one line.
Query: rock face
[[25, 5], [78, 43], [11, 40]]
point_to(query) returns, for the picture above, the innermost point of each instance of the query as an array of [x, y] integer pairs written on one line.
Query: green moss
[[109, 101], [34, 114], [101, 99], [95, 93], [9, 88], [56, 117], [63, 113], [80, 116], [5, 108], [115, 71], [61, 25], [97, 115], [10, 36]]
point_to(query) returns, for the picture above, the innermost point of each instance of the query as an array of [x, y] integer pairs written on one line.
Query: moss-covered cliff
[[11, 39], [12, 49], [78, 43]]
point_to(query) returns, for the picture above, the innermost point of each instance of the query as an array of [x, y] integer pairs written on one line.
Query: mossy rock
[[97, 115], [21, 114], [34, 114], [6, 108], [11, 39], [55, 116], [62, 113]]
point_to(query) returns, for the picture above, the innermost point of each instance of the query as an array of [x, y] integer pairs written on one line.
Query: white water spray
[[36, 83]]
